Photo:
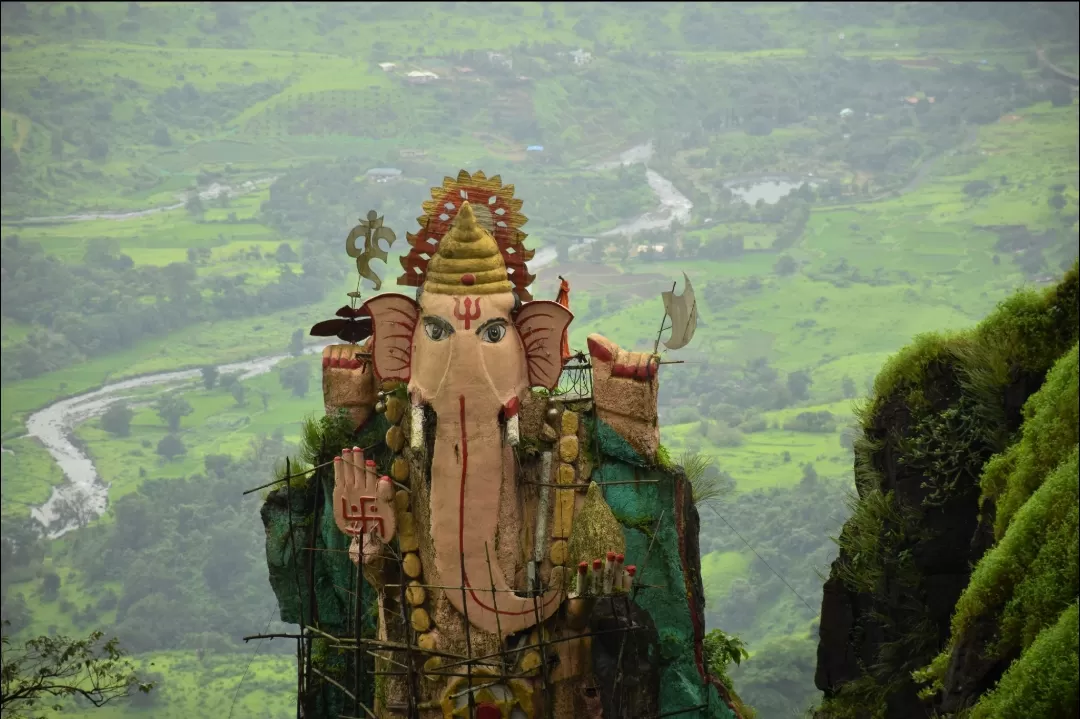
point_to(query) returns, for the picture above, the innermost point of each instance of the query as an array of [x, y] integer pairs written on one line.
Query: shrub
[[170, 447], [822, 422], [117, 420]]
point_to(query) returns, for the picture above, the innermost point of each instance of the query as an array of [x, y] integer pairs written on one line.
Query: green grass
[[29, 473], [720, 569]]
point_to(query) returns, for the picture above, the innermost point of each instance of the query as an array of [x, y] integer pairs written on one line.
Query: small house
[[581, 57]]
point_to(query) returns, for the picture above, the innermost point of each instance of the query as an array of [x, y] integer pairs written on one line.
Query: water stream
[[53, 426]]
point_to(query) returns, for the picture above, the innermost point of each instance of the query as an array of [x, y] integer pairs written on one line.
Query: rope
[[247, 669], [786, 583]]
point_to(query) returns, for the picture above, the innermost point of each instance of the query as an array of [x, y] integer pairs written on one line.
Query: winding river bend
[[53, 426]]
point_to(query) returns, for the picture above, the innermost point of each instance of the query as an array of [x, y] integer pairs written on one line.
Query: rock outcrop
[[928, 511]]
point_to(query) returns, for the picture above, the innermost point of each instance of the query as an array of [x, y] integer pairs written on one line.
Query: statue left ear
[[540, 325], [393, 320]]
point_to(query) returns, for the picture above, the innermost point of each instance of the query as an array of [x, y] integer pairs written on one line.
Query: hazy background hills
[[178, 180]]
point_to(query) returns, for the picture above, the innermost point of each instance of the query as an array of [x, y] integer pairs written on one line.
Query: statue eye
[[436, 329], [493, 333]]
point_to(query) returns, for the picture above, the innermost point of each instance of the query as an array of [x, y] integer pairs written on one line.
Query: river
[[210, 193], [54, 425]]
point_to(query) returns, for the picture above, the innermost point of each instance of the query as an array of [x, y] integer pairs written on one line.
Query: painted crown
[[468, 260]]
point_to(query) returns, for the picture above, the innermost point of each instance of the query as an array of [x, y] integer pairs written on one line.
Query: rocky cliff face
[[941, 411]]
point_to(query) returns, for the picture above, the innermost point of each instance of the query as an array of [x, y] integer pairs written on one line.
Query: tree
[[849, 388], [172, 408], [74, 507], [57, 145], [209, 376], [1057, 202], [236, 389], [296, 343], [720, 650], [798, 384], [978, 188], [170, 447], [49, 670], [117, 420], [217, 464], [1060, 95], [562, 249], [295, 377], [195, 206], [785, 265], [809, 477], [285, 253], [50, 586], [161, 136]]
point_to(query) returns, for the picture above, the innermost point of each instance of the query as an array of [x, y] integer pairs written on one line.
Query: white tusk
[[513, 431], [416, 427]]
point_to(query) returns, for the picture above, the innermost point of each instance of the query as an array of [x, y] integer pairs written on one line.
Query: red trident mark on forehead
[[472, 311]]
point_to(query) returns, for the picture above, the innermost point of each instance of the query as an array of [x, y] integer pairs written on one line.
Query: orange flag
[[564, 300]]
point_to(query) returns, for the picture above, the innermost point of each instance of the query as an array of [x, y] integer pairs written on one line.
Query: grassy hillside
[[921, 217]]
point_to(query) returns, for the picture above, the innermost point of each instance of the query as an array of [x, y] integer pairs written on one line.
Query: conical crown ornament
[[468, 260]]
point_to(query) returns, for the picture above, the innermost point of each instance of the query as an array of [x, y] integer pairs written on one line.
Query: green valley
[[178, 180]]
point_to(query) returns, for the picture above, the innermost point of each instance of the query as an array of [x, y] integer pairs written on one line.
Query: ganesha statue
[[495, 515]]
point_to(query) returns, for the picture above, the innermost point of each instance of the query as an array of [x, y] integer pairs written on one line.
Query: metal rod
[[581, 487], [676, 712], [358, 658], [495, 604], [543, 653], [442, 586], [656, 346], [414, 688], [631, 597], [392, 646], [313, 602], [465, 612], [551, 642], [332, 681], [589, 366], [299, 593], [347, 692], [283, 479], [455, 675]]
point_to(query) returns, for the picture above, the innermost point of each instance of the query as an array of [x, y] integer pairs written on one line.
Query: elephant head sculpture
[[470, 350]]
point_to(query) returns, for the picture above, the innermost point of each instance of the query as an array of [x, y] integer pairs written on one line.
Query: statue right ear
[[393, 321]]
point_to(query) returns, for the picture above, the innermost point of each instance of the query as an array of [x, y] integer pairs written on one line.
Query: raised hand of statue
[[363, 504]]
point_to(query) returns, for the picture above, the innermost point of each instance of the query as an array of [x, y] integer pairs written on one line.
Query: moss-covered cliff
[[967, 460]]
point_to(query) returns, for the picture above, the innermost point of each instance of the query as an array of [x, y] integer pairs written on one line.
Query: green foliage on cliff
[[1028, 580], [941, 435], [1043, 682], [1050, 432]]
